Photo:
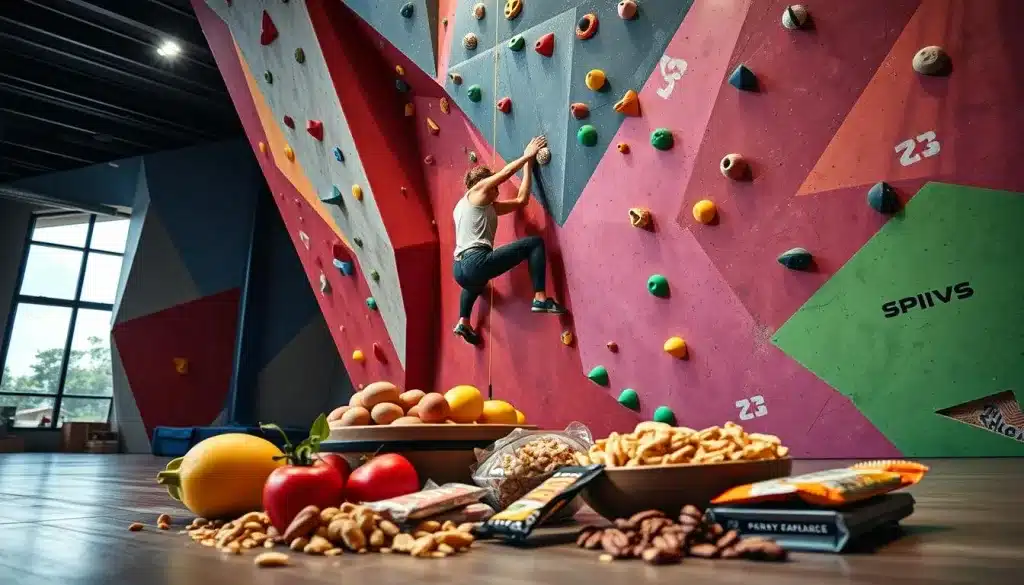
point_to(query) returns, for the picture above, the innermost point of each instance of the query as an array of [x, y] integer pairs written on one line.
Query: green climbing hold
[[371, 303], [267, 75], [657, 285], [630, 399], [664, 414], [334, 198], [474, 93], [599, 376], [517, 43], [587, 135], [406, 10], [662, 139], [300, 55], [796, 259]]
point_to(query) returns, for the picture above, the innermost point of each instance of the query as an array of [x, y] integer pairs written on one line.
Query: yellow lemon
[[465, 402], [520, 418], [676, 347], [498, 412]]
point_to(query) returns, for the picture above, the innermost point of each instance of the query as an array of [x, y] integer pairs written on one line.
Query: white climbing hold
[[544, 156], [469, 41], [479, 10], [931, 60], [325, 286], [794, 17]]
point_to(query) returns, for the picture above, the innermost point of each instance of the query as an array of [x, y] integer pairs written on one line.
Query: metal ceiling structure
[[81, 83]]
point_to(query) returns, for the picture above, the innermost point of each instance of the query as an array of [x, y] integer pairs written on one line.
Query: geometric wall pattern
[[808, 355]]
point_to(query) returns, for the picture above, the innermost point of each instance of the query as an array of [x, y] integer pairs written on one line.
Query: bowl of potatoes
[[659, 466]]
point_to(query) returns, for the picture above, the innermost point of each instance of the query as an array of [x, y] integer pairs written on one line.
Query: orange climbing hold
[[433, 127], [586, 27], [410, 110], [289, 154], [545, 45], [446, 106], [504, 105], [623, 147], [399, 70], [263, 147], [629, 105], [315, 129], [640, 217], [579, 110]]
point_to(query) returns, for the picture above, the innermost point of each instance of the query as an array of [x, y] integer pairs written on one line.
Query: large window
[[56, 354]]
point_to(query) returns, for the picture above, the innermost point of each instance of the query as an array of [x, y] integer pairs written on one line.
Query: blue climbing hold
[[338, 156], [743, 79], [406, 10], [401, 85], [882, 198], [796, 259], [334, 197], [371, 303], [345, 267]]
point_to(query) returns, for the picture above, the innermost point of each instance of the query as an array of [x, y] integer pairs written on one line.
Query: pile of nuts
[[658, 540], [331, 532], [528, 466], [655, 443]]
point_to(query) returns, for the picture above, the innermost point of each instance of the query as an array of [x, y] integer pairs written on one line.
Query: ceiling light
[[168, 49]]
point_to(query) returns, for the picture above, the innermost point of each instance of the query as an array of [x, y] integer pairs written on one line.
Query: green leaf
[[273, 427], [320, 430]]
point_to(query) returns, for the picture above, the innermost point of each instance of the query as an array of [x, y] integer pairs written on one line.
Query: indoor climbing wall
[[752, 213]]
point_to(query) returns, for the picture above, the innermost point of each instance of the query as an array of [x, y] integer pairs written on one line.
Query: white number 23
[[907, 148], [760, 409]]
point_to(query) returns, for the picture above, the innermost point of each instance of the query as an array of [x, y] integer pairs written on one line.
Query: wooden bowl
[[621, 492], [439, 452]]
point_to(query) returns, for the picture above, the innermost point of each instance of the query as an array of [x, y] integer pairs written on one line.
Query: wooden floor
[[64, 518]]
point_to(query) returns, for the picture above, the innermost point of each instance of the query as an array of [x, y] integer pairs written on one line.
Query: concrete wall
[[14, 222]]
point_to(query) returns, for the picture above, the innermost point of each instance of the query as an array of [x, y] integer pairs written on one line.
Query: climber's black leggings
[[477, 266]]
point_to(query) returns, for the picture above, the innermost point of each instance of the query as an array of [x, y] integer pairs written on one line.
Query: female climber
[[476, 220]]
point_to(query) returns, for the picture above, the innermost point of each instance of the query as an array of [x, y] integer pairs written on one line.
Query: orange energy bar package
[[830, 488]]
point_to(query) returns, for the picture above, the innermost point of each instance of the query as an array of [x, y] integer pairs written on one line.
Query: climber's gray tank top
[[474, 226]]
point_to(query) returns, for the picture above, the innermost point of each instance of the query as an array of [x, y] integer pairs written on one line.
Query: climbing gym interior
[[786, 238]]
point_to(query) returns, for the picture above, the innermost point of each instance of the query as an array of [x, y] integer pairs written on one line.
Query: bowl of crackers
[[663, 467]]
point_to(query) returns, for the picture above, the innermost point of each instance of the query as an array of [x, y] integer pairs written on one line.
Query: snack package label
[[536, 499], [518, 520]]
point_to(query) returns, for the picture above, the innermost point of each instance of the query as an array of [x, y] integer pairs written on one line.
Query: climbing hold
[[504, 105], [346, 268], [657, 285], [300, 55], [334, 198], [743, 78], [595, 79], [289, 154], [371, 303], [794, 17], [544, 156], [446, 106], [580, 111], [629, 105], [357, 192], [516, 43], [456, 78], [704, 211], [410, 110], [675, 347], [338, 155], [263, 147], [567, 337], [796, 259], [289, 122], [662, 139], [545, 45], [401, 85], [882, 198], [623, 147], [325, 286], [627, 9], [470, 41], [406, 10], [433, 127], [586, 27], [268, 76], [664, 414], [479, 10], [599, 376], [513, 8], [587, 135], [268, 32], [315, 128], [358, 242], [474, 93], [735, 167], [931, 60], [630, 399], [444, 22], [375, 275], [612, 346], [399, 70], [378, 352], [358, 357], [429, 159], [640, 217], [472, 156]]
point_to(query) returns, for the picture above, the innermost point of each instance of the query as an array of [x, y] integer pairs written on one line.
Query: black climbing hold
[[338, 156], [882, 198], [334, 198], [401, 85], [796, 259], [406, 10], [743, 79], [358, 242], [268, 76]]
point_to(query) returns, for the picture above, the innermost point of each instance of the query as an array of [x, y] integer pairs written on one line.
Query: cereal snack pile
[[655, 443], [658, 540]]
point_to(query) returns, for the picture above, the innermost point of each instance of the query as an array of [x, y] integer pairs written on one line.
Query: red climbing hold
[[505, 105], [378, 353], [315, 129], [546, 45], [289, 122], [579, 110], [268, 32]]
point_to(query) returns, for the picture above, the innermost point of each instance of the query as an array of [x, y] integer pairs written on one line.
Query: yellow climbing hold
[[263, 147], [357, 192], [596, 79], [410, 110], [433, 127], [567, 337], [358, 357], [704, 211], [399, 70], [676, 347], [289, 153], [445, 105]]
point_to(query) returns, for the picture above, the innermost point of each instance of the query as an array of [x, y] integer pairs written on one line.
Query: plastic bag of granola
[[522, 460]]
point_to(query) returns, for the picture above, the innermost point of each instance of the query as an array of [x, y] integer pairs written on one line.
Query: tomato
[[383, 477], [339, 463], [291, 488]]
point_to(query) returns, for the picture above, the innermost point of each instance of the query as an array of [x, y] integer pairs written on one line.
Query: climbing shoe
[[466, 333], [547, 306]]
